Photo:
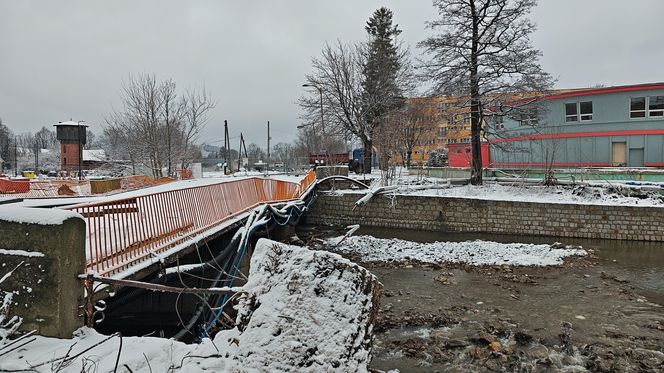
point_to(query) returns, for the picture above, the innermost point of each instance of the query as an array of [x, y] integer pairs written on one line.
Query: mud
[[591, 314]]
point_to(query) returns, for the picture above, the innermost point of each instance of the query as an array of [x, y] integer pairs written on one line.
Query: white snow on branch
[[30, 254], [8, 274]]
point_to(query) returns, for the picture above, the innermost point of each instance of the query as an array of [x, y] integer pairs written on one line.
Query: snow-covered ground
[[531, 193], [479, 253], [300, 311], [554, 194], [645, 194]]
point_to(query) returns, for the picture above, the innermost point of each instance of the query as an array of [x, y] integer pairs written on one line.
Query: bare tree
[[172, 115], [156, 127], [285, 153], [45, 138], [417, 121], [338, 74], [483, 51], [255, 154], [196, 108]]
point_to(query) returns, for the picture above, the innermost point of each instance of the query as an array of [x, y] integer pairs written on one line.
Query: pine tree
[[381, 91]]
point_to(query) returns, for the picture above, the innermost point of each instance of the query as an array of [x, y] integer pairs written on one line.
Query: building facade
[[430, 125], [600, 127]]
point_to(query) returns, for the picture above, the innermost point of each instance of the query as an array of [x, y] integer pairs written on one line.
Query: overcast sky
[[67, 59]]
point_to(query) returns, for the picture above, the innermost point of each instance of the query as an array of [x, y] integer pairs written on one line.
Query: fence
[[14, 186], [124, 231]]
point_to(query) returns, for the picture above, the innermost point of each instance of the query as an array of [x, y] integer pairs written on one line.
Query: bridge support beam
[[42, 252]]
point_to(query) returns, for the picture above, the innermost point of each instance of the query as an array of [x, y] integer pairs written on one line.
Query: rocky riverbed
[[571, 318], [584, 315]]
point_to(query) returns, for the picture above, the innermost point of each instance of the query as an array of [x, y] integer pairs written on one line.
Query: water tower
[[72, 137]]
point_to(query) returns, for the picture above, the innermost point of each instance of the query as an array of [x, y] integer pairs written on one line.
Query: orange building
[[428, 125]]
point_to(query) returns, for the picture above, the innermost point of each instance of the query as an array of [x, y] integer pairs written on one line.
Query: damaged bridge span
[[154, 235]]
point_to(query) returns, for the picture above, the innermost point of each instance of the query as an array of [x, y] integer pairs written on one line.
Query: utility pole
[[227, 144], [37, 148], [239, 151], [267, 166], [15, 156]]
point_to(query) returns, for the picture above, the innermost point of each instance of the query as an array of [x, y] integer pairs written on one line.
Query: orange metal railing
[[124, 231]]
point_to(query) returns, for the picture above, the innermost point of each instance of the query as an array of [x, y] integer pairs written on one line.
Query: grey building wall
[[611, 113]]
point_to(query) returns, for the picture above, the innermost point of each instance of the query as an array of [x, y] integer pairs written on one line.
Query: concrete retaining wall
[[482, 216], [46, 290]]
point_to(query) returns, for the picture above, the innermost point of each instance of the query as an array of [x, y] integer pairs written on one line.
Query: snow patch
[[27, 215], [479, 253]]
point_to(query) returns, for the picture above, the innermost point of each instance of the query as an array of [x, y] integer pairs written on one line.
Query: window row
[[646, 107], [639, 107]]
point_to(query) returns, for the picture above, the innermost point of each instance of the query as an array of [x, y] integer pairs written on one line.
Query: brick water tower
[[72, 137]]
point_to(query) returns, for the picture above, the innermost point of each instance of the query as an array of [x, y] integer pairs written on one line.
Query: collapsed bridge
[[128, 236]]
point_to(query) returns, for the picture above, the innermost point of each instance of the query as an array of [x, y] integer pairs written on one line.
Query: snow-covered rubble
[[300, 311], [372, 249]]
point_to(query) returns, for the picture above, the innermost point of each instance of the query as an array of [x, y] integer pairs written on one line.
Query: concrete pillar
[[44, 249]]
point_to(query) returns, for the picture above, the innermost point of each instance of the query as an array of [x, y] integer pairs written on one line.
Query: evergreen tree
[[381, 91]]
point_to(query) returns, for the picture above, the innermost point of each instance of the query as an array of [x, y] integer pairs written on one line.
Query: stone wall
[[482, 216], [42, 251]]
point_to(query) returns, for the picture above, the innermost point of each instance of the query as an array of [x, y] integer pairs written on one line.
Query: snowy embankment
[[300, 311], [478, 253], [600, 192], [543, 194]]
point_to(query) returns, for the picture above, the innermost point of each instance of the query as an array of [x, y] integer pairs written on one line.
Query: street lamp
[[322, 121]]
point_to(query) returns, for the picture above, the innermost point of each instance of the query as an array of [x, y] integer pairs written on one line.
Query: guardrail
[[124, 231]]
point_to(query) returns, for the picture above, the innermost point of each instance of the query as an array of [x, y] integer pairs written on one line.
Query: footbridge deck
[[130, 231]]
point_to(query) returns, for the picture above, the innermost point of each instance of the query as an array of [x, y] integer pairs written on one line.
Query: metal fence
[[124, 231]]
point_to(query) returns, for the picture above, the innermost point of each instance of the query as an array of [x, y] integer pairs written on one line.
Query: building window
[[586, 110], [527, 116], [571, 114], [656, 106], [637, 107], [497, 121]]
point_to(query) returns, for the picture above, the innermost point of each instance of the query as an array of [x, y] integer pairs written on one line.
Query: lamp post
[[322, 121]]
